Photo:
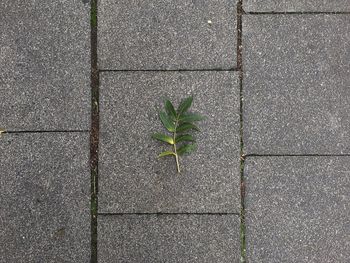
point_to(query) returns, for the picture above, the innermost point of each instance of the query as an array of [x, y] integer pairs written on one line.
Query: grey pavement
[[45, 65], [128, 163], [297, 209], [168, 238], [45, 197], [162, 34], [296, 84], [269, 181], [296, 6]]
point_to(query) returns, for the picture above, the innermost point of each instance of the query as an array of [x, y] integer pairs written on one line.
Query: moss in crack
[[93, 15]]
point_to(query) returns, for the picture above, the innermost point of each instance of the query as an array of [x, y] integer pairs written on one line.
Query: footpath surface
[[270, 181]]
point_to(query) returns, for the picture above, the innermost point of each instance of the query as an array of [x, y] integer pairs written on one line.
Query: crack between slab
[[297, 13], [94, 135], [47, 131], [168, 70], [165, 213], [240, 13], [297, 155]]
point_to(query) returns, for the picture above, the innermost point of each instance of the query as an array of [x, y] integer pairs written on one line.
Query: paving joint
[[94, 135], [47, 131], [165, 213], [240, 13], [168, 70], [297, 155], [297, 13]]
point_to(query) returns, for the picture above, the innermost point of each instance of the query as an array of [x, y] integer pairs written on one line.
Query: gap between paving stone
[[291, 155], [48, 131], [296, 13], [240, 13], [94, 136], [165, 70], [134, 213]]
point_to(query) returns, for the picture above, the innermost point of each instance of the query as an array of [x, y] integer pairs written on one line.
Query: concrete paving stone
[[44, 65], [296, 6], [164, 34], [297, 209], [133, 179], [296, 84], [169, 238], [45, 198]]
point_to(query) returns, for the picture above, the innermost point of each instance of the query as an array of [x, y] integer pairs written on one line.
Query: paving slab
[[133, 179], [169, 238], [45, 198], [44, 65], [296, 6], [296, 84], [163, 34], [297, 209]]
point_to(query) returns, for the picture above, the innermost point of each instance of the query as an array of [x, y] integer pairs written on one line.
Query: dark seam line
[[297, 13], [296, 155], [48, 131], [94, 135], [167, 70], [184, 213], [242, 228]]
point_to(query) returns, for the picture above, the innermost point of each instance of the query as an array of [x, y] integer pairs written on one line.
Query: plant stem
[[177, 163], [175, 151]]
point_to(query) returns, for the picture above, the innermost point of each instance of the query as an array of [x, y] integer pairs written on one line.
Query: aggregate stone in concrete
[[44, 65], [296, 5], [296, 84], [133, 179], [169, 238], [44, 193], [297, 209], [163, 34]]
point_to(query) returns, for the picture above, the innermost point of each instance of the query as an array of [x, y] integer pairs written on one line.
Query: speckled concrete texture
[[133, 179], [45, 198], [296, 84], [297, 209], [44, 65], [163, 34], [296, 5], [168, 238]]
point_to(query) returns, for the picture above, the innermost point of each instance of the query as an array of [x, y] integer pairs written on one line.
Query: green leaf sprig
[[179, 123]]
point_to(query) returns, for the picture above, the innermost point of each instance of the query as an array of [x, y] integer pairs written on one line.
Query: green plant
[[179, 122]]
